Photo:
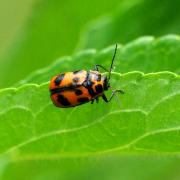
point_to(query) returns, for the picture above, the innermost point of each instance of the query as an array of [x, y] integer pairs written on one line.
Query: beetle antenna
[[111, 67]]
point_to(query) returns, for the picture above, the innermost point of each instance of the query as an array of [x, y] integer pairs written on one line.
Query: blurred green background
[[33, 34]]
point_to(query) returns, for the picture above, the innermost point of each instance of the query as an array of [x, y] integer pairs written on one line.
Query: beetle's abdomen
[[71, 97]]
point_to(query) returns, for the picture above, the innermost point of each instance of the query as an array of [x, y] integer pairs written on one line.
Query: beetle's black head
[[106, 84]]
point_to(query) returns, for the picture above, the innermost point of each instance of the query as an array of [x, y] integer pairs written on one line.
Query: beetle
[[71, 89]]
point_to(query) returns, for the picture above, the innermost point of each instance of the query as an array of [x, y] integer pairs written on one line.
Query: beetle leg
[[92, 101], [104, 98], [112, 95], [97, 100]]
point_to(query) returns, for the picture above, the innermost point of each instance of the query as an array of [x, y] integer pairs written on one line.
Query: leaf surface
[[30, 122], [40, 141]]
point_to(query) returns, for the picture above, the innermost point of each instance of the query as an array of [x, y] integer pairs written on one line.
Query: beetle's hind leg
[[97, 100], [112, 95], [92, 101]]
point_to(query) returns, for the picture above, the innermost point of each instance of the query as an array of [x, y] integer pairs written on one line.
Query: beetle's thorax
[[96, 76]]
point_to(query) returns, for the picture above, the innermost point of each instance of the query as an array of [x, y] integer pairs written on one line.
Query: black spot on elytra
[[91, 91], [99, 88], [75, 79], [78, 92], [62, 100], [83, 100], [88, 86], [58, 80]]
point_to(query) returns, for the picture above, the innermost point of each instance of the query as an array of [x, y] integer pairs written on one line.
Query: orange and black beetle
[[75, 88]]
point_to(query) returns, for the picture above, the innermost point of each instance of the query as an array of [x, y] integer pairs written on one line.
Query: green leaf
[[41, 141], [30, 122], [143, 18], [145, 54], [34, 130], [35, 134]]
